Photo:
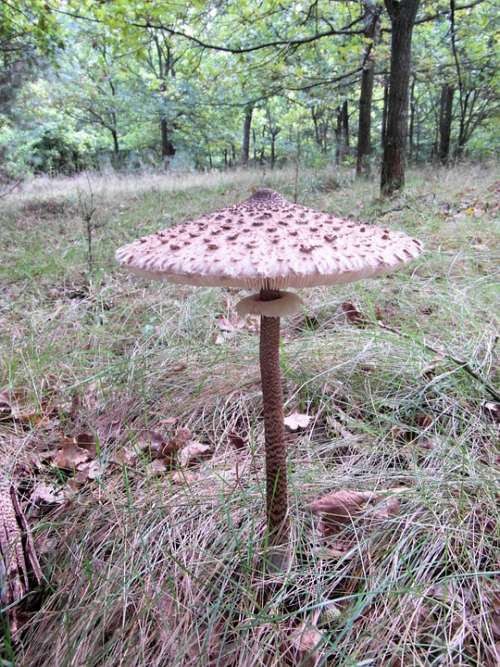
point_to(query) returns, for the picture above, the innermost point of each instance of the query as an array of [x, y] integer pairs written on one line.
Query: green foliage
[[148, 78]]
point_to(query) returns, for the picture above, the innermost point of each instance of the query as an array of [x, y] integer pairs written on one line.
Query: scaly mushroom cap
[[268, 242]]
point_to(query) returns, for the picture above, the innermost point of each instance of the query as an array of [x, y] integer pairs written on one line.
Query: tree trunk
[[167, 147], [345, 124], [247, 125], [372, 32], [445, 117], [342, 133], [413, 112], [402, 14], [383, 130], [116, 144]]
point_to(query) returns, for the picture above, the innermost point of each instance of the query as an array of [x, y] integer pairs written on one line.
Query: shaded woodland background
[[211, 85]]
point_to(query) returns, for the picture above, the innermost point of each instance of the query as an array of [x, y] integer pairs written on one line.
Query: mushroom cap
[[268, 242]]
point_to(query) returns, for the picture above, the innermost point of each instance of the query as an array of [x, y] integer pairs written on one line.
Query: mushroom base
[[286, 303]]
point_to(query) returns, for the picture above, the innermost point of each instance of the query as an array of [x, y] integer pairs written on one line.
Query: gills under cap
[[267, 242]]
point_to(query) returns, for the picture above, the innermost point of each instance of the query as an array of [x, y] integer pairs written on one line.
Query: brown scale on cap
[[274, 245]]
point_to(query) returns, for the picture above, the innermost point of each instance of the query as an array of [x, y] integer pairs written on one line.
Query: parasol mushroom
[[268, 243]]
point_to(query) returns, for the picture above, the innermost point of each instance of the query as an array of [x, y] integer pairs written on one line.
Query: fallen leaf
[[178, 367], [492, 410], [339, 508], [89, 470], [342, 505], [230, 326], [353, 315], [12, 406], [69, 456], [182, 436], [124, 456], [193, 452], [86, 441], [305, 641], [168, 421], [46, 494], [237, 441], [297, 420], [423, 420], [184, 477], [159, 466], [151, 441]]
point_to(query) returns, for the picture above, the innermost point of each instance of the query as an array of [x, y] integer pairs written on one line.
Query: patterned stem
[[272, 392]]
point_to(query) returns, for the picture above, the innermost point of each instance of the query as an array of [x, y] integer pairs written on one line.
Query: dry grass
[[145, 569]]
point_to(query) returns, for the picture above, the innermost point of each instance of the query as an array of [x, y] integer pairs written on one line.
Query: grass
[[148, 569]]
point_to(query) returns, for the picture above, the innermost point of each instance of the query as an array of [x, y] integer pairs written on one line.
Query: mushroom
[[268, 243]]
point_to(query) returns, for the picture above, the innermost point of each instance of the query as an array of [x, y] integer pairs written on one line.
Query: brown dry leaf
[[353, 315], [89, 470], [193, 452], [158, 447], [182, 436], [306, 641], [492, 410], [387, 509], [168, 421], [184, 477], [178, 367], [124, 456], [236, 440], [338, 508], [151, 441], [297, 420], [46, 494], [159, 466], [12, 406], [86, 441], [230, 326], [424, 420], [69, 456]]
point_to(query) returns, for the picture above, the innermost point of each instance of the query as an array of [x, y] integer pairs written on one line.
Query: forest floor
[[152, 559]]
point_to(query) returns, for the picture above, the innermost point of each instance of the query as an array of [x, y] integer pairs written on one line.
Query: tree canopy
[[212, 84]]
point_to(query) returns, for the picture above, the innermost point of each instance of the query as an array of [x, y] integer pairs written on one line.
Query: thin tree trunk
[[342, 133], [383, 130], [372, 32], [164, 138], [413, 111], [445, 117], [116, 144], [273, 150], [247, 125], [345, 125], [402, 15]]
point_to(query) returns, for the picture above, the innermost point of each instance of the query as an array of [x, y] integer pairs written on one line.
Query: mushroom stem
[[272, 393]]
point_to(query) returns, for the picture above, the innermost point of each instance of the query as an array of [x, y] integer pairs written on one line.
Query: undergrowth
[[151, 566]]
